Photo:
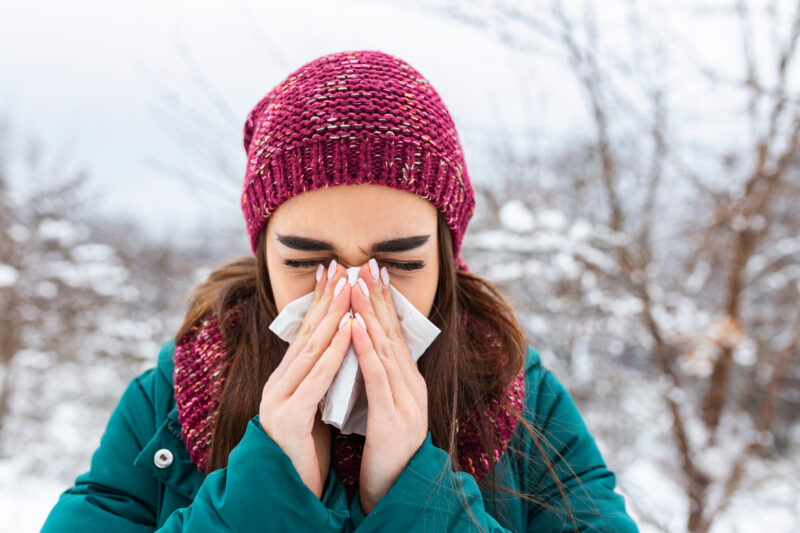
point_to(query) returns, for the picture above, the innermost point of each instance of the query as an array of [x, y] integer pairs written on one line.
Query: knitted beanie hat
[[349, 118]]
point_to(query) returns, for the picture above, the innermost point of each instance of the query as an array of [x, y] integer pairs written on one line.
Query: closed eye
[[410, 265]]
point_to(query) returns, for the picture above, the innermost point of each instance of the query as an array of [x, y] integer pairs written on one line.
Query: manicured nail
[[344, 319], [363, 287], [320, 268], [339, 286], [361, 321], [373, 269], [332, 269], [385, 276]]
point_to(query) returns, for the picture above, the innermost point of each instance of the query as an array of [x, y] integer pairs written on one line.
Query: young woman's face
[[352, 223]]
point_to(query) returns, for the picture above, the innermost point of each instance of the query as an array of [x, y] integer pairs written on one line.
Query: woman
[[353, 160]]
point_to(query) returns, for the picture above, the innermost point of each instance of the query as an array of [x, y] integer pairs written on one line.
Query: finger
[[376, 380], [323, 293], [407, 362], [386, 354], [303, 359], [319, 379], [387, 297], [321, 277], [395, 345], [320, 305], [316, 310], [379, 304]]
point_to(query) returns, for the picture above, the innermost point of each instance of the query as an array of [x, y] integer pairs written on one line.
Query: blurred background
[[637, 169]]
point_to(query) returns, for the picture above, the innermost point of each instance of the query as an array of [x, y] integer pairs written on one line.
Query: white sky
[[84, 76], [87, 77]]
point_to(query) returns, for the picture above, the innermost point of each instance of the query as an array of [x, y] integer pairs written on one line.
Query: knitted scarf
[[201, 366]]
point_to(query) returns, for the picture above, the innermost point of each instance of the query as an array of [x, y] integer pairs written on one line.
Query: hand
[[397, 417], [289, 409]]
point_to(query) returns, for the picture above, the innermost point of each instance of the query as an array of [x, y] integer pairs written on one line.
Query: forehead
[[368, 210]]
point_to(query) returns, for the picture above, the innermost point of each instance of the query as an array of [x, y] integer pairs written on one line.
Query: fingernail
[[363, 287], [320, 268], [373, 269], [339, 286], [361, 321], [344, 319], [331, 269], [385, 276]]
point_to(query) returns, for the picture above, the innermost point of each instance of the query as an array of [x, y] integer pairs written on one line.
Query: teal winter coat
[[141, 478]]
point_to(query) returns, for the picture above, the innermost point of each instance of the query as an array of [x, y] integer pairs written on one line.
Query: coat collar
[[182, 475]]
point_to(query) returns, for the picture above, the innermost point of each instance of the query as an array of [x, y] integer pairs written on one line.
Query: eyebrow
[[307, 244]]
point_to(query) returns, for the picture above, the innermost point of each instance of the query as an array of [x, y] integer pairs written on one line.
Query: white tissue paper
[[344, 405]]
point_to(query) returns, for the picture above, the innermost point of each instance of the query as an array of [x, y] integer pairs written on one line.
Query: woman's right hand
[[291, 396]]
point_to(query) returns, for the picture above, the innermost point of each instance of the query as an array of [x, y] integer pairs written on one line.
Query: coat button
[[163, 458]]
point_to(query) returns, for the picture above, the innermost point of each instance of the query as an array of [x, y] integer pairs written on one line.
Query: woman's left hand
[[397, 417]]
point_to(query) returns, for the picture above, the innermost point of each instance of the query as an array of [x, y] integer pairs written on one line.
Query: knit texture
[[349, 118], [201, 365]]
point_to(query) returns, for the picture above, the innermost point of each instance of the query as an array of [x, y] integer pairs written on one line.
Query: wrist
[[324, 478], [367, 505]]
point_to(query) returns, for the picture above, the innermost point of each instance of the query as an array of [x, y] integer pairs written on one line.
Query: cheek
[[287, 285], [419, 291], [289, 294], [278, 292], [287, 288]]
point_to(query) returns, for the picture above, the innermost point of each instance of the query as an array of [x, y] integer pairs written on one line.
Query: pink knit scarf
[[201, 368]]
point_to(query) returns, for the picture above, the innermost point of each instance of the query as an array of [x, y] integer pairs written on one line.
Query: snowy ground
[[25, 501]]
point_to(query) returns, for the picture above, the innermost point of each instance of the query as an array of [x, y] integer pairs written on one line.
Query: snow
[[551, 218], [26, 500], [516, 217], [103, 277], [745, 352], [63, 231], [647, 484], [8, 275], [580, 230], [47, 289], [18, 232], [93, 252]]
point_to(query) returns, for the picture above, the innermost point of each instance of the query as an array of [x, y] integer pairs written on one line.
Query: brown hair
[[464, 367]]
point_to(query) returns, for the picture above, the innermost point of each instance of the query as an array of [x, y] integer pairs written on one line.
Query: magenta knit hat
[[348, 118]]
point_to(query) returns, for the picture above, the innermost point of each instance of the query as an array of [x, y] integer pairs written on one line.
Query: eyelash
[[413, 265]]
